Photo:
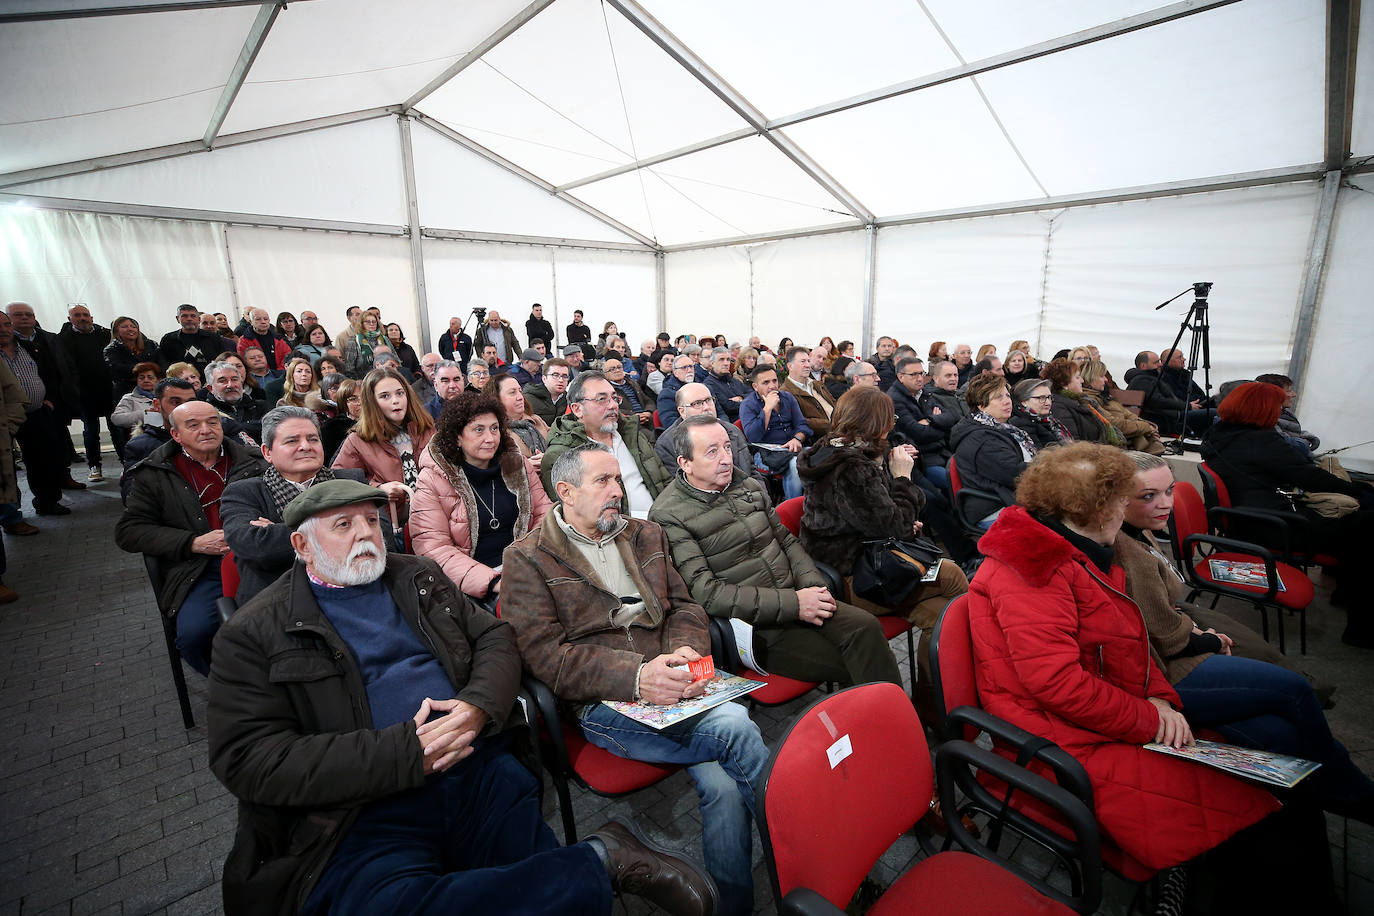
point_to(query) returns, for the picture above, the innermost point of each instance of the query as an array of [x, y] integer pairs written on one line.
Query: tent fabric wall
[[116, 265], [1331, 402], [287, 270]]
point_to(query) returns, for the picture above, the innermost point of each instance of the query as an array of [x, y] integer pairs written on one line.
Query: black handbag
[[887, 571]]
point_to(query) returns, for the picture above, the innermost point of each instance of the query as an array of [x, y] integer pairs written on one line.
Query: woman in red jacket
[[1062, 652]]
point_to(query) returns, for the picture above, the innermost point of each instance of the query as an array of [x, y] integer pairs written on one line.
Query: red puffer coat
[[1062, 652]]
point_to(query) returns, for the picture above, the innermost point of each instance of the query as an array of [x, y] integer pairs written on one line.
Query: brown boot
[[641, 867]]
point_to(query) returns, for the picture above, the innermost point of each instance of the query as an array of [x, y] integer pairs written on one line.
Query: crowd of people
[[407, 530]]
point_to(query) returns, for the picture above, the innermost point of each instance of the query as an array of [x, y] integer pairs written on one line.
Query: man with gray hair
[[600, 614], [595, 417], [694, 400], [224, 391], [356, 711], [252, 508]]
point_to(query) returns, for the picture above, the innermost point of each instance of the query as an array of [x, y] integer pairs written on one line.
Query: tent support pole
[[257, 35], [661, 290], [417, 251], [870, 283], [1312, 280]]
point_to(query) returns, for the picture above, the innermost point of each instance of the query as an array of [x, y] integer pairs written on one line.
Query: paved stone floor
[[107, 804]]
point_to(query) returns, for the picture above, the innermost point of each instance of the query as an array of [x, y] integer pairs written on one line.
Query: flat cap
[[329, 494]]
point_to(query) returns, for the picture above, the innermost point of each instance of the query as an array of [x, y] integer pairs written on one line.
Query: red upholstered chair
[[894, 625], [961, 495], [951, 657], [568, 756], [1189, 524], [853, 774]]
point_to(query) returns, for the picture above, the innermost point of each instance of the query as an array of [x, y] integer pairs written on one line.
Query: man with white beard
[[357, 709]]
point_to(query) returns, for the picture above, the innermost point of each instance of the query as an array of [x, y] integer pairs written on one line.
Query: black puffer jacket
[[850, 498], [987, 459], [162, 516], [291, 734]]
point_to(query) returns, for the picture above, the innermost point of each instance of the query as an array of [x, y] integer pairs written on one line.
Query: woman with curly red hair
[[1256, 463]]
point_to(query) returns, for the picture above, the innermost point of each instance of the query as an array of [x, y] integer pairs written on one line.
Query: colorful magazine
[[720, 689], [1264, 766], [1242, 573]]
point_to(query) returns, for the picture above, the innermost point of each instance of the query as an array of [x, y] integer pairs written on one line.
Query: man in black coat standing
[[85, 343], [189, 343]]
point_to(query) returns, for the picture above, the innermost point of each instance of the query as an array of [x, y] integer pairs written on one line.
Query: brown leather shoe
[[22, 529], [641, 867]]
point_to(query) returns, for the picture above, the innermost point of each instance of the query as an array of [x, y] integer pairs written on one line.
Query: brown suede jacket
[[562, 611]]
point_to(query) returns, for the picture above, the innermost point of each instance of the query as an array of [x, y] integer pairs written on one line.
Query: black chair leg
[[178, 675]]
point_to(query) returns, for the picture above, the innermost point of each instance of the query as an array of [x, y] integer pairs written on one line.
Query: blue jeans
[[469, 841], [725, 756], [1256, 704], [198, 618]]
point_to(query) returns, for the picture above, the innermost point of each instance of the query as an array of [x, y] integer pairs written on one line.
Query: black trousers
[[44, 456]]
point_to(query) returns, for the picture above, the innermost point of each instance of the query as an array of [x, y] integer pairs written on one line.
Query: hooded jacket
[[1061, 651]]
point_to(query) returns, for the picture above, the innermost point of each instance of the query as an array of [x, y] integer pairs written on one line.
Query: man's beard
[[605, 524], [347, 572]]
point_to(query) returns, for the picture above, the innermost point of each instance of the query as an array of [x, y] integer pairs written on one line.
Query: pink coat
[[379, 460], [444, 503]]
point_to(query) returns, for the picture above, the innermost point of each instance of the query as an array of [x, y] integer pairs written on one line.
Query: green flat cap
[[330, 494]]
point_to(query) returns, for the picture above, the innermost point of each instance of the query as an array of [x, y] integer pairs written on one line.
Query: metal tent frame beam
[[511, 26], [173, 150], [1021, 55], [444, 130], [257, 35], [694, 65]]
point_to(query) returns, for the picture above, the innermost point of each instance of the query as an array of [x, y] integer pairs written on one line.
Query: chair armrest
[[1068, 772], [1084, 849], [833, 579], [803, 901], [1270, 570]]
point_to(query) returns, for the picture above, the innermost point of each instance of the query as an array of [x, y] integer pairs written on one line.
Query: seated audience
[[814, 398], [1069, 407], [860, 489], [601, 614], [1061, 652], [739, 561], [1031, 402], [476, 495], [1133, 431], [252, 508], [990, 452], [1225, 679], [547, 396], [772, 420], [693, 400], [388, 787], [1257, 465], [391, 432], [529, 433], [594, 416], [172, 517], [725, 386]]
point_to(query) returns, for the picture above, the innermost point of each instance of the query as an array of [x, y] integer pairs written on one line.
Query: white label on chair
[[839, 750]]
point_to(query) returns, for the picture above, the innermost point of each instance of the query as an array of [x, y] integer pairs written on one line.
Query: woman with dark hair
[[528, 429], [1062, 652], [1226, 679], [1031, 400], [1258, 466], [290, 330], [393, 429], [316, 342], [476, 494], [858, 488], [1083, 423], [989, 452], [404, 352]]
